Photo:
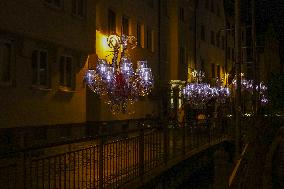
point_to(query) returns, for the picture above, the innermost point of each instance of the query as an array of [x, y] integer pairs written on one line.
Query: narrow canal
[[200, 179]]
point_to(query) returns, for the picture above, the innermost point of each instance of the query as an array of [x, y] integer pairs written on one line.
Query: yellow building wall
[[136, 12], [33, 24]]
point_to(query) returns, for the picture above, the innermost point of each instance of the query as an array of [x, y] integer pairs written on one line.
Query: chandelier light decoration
[[117, 83], [197, 93], [248, 86], [220, 92], [262, 88]]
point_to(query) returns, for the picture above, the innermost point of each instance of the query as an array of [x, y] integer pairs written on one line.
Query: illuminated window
[[79, 8], [66, 72], [111, 22], [6, 53], [39, 68], [125, 25]]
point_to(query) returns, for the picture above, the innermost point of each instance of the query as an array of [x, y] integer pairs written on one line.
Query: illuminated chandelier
[[220, 92], [197, 94], [117, 83], [248, 85]]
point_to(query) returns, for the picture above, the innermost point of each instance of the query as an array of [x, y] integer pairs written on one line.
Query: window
[[39, 68], [138, 35], [150, 3], [111, 22], [218, 39], [218, 71], [79, 8], [212, 38], [218, 10], [6, 53], [125, 25], [55, 3], [213, 70], [66, 71], [149, 39], [202, 33], [212, 6], [223, 42], [229, 53], [207, 4], [181, 56], [233, 54], [181, 14]]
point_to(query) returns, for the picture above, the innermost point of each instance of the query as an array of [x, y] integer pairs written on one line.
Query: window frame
[[12, 60], [212, 38], [123, 19], [202, 33], [52, 4], [64, 86], [38, 62], [111, 22], [75, 8]]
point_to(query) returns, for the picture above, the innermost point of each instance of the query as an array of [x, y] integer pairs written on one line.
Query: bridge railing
[[105, 161]]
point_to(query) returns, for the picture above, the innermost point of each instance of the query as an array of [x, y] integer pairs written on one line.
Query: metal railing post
[[166, 142], [101, 162], [141, 151]]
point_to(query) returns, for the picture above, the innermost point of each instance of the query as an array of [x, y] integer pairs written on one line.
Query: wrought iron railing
[[105, 161]]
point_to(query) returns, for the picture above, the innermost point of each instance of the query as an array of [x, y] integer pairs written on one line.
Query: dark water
[[201, 179]]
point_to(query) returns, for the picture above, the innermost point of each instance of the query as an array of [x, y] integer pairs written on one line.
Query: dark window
[[125, 25], [229, 53], [207, 4], [233, 54], [149, 39], [212, 38], [5, 62], [213, 70], [138, 35], [181, 14], [218, 39], [66, 71], [202, 33], [79, 8], [55, 3], [218, 10], [150, 3], [212, 6], [111, 22], [223, 42], [202, 64], [218, 71], [39, 68], [182, 56]]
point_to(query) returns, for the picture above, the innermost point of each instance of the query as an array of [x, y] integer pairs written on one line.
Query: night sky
[[271, 11]]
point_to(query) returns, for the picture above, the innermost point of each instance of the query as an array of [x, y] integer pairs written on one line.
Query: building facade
[[43, 49], [211, 22]]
